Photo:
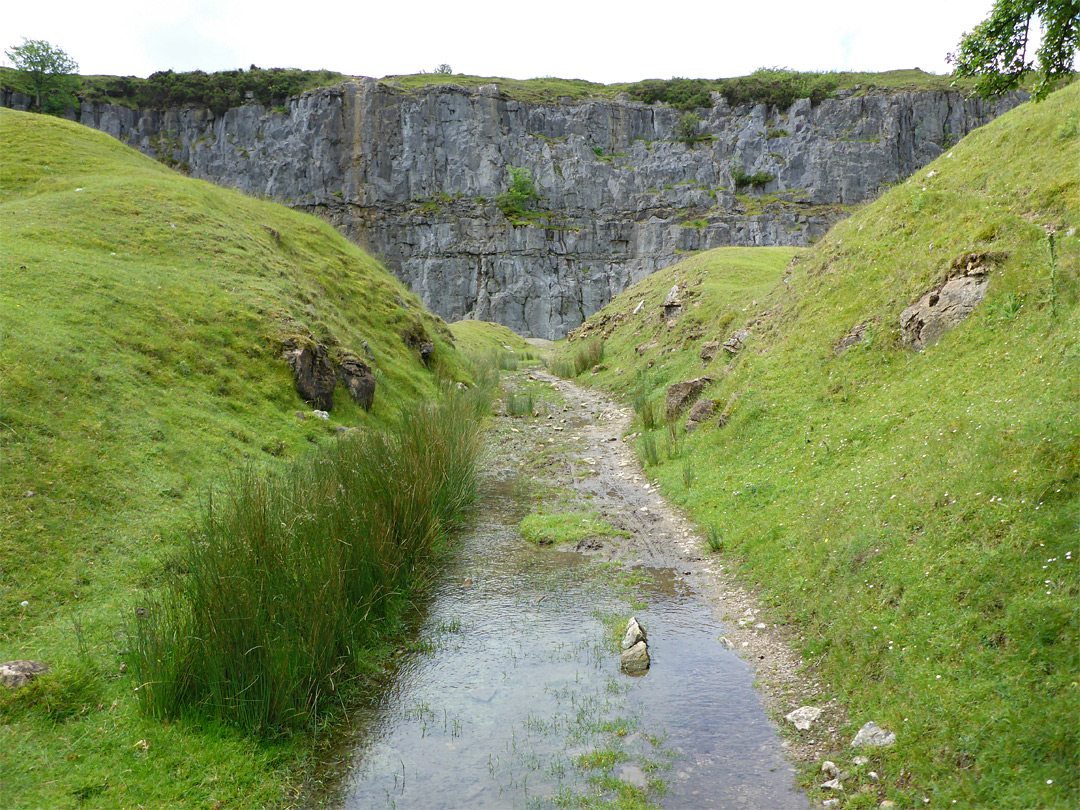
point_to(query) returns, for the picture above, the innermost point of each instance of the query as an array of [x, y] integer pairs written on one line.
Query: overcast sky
[[603, 42]]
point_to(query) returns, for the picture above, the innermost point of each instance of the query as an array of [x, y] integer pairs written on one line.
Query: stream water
[[515, 696]]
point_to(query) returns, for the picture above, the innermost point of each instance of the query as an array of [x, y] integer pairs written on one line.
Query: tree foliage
[[45, 71], [996, 51]]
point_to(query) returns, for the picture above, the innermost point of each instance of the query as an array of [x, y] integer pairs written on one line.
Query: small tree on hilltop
[[996, 51], [45, 70]]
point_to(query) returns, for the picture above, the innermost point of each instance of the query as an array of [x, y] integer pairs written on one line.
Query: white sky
[[602, 42]]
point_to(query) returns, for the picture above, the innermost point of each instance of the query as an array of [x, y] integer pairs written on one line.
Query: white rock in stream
[[635, 649], [634, 633]]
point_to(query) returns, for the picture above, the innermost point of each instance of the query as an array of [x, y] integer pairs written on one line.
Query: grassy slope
[[142, 315], [913, 515], [478, 338]]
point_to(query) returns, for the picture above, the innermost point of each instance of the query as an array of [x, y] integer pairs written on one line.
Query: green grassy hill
[[912, 514], [143, 316]]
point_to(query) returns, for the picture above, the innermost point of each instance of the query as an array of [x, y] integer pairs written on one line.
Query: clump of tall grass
[[503, 360], [589, 355], [586, 357], [520, 404], [562, 368], [647, 449], [290, 577], [648, 410]]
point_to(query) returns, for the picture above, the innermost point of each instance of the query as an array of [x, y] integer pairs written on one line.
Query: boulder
[[313, 372], [16, 674], [701, 412], [682, 395], [358, 380], [802, 717], [872, 735], [736, 340], [709, 350], [635, 661]]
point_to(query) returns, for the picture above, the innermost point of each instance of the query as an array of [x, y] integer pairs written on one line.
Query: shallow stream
[[514, 697]]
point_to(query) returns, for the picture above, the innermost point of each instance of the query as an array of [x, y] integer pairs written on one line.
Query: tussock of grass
[[290, 579], [913, 515]]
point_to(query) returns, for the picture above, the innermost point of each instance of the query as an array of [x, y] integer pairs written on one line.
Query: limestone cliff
[[413, 176]]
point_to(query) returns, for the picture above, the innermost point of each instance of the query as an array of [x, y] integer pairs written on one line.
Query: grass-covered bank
[[143, 317], [912, 515]]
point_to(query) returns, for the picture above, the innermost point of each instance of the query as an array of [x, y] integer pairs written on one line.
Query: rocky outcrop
[[316, 374], [701, 412], [682, 395], [939, 310], [414, 175], [313, 372]]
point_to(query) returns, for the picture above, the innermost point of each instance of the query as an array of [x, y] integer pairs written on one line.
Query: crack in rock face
[[924, 322]]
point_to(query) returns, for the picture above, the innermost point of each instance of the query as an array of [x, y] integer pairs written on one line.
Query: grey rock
[[832, 784], [633, 775], [830, 803], [854, 336], [830, 769], [802, 717], [735, 342], [709, 350], [860, 761], [682, 395], [871, 735], [16, 674], [924, 322], [726, 643], [635, 661], [375, 162]]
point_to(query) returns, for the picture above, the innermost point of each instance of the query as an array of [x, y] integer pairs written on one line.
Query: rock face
[[414, 175]]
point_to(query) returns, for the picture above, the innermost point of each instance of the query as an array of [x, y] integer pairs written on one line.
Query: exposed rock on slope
[[414, 175]]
